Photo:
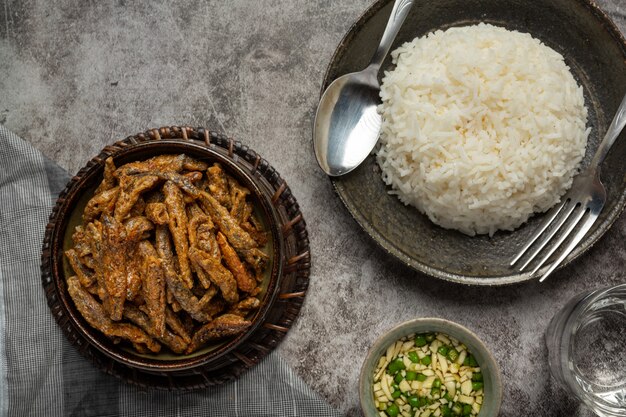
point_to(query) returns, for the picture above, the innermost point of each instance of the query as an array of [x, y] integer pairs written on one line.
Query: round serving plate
[[284, 286], [594, 50]]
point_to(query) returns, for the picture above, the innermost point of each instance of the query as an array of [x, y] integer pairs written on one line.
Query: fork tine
[[567, 210], [577, 238], [542, 228], [564, 235]]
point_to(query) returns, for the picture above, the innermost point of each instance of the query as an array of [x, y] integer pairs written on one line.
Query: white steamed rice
[[482, 127]]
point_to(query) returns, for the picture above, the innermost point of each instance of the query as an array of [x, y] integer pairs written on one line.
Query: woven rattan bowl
[[284, 285]]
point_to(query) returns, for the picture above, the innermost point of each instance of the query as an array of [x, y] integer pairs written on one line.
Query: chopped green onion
[[477, 386], [445, 411], [421, 377], [414, 401], [478, 377], [437, 383], [435, 392], [395, 366], [443, 350], [448, 396], [413, 357], [429, 337], [398, 378], [472, 361], [393, 410], [457, 409], [420, 340], [410, 375], [453, 354], [467, 410], [396, 394], [426, 360]]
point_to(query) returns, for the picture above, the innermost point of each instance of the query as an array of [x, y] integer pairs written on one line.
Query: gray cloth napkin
[[40, 372]]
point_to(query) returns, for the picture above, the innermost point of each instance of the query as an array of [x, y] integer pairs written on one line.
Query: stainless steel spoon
[[346, 124]]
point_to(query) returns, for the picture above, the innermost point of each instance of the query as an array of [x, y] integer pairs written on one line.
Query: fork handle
[[617, 125]]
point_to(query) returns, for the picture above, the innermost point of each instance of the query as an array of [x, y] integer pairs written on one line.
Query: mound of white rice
[[481, 127]]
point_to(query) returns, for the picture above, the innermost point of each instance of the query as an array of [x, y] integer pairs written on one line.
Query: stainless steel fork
[[578, 210]]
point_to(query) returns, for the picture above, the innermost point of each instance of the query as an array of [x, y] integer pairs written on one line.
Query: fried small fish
[[86, 277], [162, 163], [180, 291], [108, 180], [176, 343], [238, 196], [153, 286], [217, 273], [245, 282], [157, 213], [176, 325], [113, 262], [95, 315], [245, 306], [101, 203], [218, 184], [223, 326], [130, 191], [178, 228]]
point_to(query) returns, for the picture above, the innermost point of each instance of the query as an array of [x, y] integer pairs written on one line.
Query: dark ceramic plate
[[596, 53], [284, 285]]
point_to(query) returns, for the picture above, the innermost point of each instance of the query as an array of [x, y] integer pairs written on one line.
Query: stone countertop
[[75, 76]]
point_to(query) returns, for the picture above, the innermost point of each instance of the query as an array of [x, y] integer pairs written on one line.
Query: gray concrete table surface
[[77, 75]]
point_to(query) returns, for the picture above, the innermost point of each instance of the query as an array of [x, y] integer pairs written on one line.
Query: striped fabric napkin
[[40, 372]]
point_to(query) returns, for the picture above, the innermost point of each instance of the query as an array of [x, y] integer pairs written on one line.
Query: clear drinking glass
[[587, 349]]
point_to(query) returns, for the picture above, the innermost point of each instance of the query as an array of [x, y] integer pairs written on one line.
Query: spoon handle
[[400, 11]]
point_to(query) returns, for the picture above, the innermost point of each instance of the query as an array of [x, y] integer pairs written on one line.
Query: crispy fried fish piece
[[223, 326], [103, 203], [206, 298], [238, 196], [218, 184], [82, 246], [257, 260], [245, 282], [218, 275], [153, 286], [196, 217], [193, 176], [162, 163], [239, 238], [86, 277], [113, 262], [108, 181], [133, 274], [130, 191], [176, 343], [139, 207], [93, 233], [138, 228], [198, 225], [176, 325], [178, 229], [181, 292], [94, 313], [243, 307], [157, 213]]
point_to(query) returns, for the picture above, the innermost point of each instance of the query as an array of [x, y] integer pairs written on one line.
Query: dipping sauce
[[428, 374]]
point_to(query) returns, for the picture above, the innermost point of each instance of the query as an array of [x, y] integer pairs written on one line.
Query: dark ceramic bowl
[[272, 202], [596, 53]]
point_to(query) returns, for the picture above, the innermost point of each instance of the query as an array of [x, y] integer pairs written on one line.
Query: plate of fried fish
[[176, 251]]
